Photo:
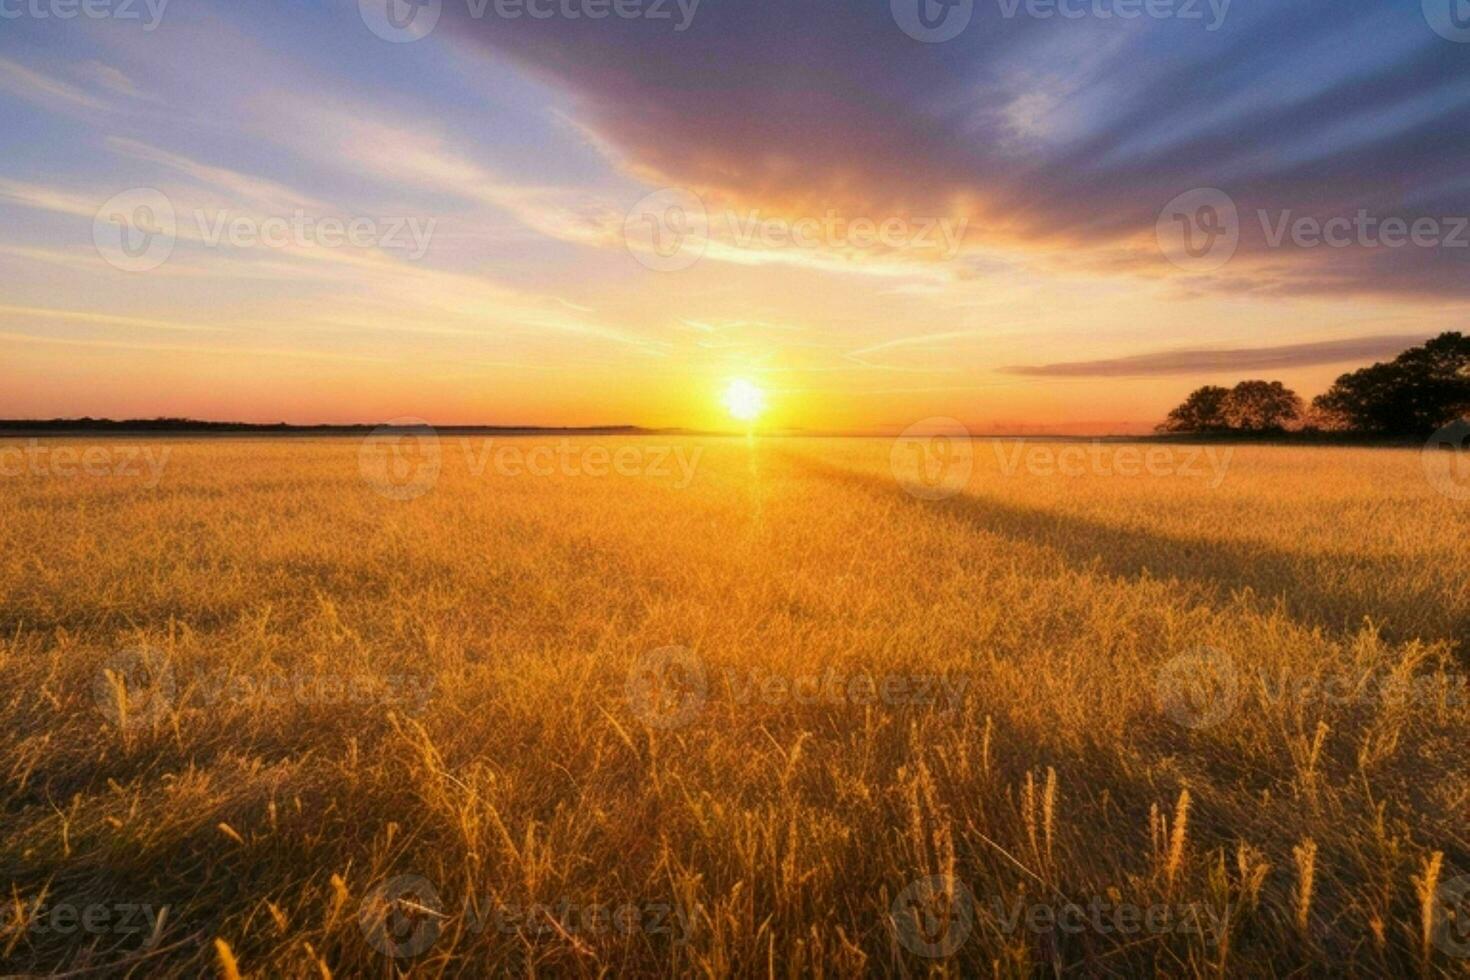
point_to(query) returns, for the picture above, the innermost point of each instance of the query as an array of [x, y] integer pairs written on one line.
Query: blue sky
[[1048, 147]]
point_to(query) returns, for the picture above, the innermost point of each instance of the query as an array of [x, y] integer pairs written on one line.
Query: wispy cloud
[[924, 340], [1222, 361], [1059, 139], [25, 313], [45, 90], [240, 188]]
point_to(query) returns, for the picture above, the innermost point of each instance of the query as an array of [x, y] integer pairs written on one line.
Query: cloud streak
[[1064, 137], [1194, 362]]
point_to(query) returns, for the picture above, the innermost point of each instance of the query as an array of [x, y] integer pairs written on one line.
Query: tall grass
[[407, 724]]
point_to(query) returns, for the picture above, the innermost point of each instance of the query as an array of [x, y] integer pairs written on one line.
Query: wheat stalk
[[1306, 867], [1049, 812], [1028, 814], [1428, 888], [1178, 838], [228, 968]]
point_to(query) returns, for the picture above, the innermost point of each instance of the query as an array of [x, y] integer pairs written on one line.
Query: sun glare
[[744, 401]]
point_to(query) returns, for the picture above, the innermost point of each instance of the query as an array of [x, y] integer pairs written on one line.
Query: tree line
[[1417, 393]]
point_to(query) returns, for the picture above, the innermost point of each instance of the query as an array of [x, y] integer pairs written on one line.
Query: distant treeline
[[171, 425], [1419, 392]]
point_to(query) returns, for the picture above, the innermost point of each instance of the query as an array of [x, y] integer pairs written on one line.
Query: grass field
[[718, 706]]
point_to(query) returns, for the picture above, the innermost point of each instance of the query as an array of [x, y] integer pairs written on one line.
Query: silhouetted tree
[[1202, 411], [1314, 419], [1261, 406], [1421, 390]]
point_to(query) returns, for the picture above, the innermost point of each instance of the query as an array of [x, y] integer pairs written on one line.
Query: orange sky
[[867, 272]]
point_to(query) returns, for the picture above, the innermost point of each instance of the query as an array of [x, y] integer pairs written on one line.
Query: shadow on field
[[1314, 589]]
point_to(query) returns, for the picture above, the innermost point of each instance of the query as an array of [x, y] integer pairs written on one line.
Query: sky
[[1027, 215]]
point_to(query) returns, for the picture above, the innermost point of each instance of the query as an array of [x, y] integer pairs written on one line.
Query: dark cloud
[[1046, 132], [1358, 349]]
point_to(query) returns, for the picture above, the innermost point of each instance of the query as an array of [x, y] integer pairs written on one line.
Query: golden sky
[[270, 215]]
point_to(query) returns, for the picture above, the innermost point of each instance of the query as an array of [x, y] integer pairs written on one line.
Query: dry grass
[[482, 712]]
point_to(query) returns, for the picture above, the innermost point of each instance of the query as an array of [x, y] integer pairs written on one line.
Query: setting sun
[[744, 401]]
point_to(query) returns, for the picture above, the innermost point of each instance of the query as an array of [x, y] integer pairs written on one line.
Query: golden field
[[573, 707]]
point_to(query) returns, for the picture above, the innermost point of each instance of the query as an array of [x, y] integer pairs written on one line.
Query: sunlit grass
[[366, 688]]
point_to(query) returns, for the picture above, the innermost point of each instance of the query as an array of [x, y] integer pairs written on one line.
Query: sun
[[744, 401]]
